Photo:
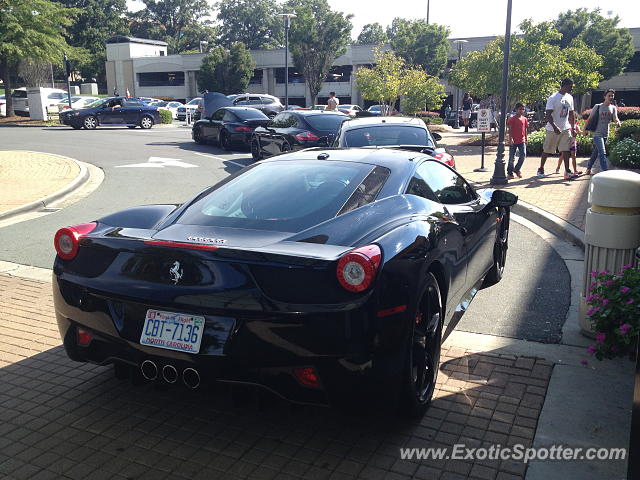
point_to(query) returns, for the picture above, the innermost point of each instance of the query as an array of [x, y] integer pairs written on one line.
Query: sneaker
[[510, 176], [569, 176], [540, 173], [518, 174]]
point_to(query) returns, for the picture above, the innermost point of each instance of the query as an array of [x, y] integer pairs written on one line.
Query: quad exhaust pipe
[[169, 373]]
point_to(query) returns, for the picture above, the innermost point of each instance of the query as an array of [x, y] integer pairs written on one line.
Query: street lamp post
[[457, 120], [499, 177], [428, 11], [287, 19]]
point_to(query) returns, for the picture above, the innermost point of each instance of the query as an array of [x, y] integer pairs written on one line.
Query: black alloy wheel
[[90, 122], [285, 147], [423, 355], [256, 154], [197, 135], [499, 250], [224, 141]]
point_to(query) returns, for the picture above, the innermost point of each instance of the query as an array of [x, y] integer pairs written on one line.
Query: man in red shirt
[[518, 125]]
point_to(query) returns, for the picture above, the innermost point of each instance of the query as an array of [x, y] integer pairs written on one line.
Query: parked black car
[[229, 126], [112, 111], [326, 276], [409, 133], [294, 130]]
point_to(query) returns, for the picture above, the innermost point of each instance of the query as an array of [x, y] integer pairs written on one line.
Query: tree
[[97, 20], [613, 44], [318, 35], [421, 43], [391, 77], [30, 31], [536, 66], [253, 22], [175, 21], [226, 71], [372, 34]]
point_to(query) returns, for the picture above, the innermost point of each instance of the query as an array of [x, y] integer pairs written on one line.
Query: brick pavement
[[566, 199], [62, 419], [29, 176]]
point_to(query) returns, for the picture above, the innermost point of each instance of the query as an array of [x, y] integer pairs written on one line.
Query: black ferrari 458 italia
[[326, 276]]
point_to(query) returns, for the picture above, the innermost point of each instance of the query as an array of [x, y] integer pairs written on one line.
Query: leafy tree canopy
[[253, 22], [226, 71], [613, 44], [536, 66], [421, 43], [31, 31], [372, 34], [391, 78], [318, 35]]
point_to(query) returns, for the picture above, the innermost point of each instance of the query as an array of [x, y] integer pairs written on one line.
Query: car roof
[[372, 121], [313, 113]]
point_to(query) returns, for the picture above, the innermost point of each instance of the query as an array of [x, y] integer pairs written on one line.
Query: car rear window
[[326, 121], [19, 94], [386, 135], [279, 196], [249, 113]]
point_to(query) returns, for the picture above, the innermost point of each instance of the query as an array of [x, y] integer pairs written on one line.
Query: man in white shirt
[[560, 128], [333, 102]]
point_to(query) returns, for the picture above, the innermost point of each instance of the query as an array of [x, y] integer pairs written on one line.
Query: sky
[[470, 18]]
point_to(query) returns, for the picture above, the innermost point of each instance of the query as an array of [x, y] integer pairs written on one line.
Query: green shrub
[[432, 120], [624, 113], [629, 129], [535, 142], [166, 116], [625, 153]]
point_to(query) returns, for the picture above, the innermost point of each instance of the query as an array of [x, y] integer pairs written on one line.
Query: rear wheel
[[423, 352], [285, 147], [146, 122], [224, 141], [90, 122], [256, 154], [499, 251], [197, 135]]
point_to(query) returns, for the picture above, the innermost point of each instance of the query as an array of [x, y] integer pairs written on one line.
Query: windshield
[[98, 102], [194, 101], [386, 135], [279, 196], [329, 121]]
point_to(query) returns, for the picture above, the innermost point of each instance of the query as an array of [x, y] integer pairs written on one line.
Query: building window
[[257, 77], [294, 75], [161, 79], [634, 63], [339, 73]]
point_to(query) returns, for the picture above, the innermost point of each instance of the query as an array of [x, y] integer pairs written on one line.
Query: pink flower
[[608, 283], [624, 289], [624, 267], [624, 328], [600, 337], [614, 349], [629, 302], [594, 273], [606, 272], [591, 349], [605, 302], [584, 362]]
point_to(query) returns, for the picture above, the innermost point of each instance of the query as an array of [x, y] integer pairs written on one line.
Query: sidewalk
[[62, 419]]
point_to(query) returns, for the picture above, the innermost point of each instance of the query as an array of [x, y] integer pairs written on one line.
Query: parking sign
[[484, 120]]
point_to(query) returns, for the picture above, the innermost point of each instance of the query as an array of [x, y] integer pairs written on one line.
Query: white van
[[21, 102]]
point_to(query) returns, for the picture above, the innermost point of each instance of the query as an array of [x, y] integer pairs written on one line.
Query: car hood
[[214, 101]]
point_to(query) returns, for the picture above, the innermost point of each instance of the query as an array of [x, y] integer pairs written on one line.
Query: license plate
[[173, 331]]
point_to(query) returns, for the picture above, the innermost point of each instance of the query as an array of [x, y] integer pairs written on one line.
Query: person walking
[[333, 102], [560, 128], [518, 125], [573, 152], [600, 117], [467, 104]]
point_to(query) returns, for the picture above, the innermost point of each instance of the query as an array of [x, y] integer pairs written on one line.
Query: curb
[[556, 225], [81, 179]]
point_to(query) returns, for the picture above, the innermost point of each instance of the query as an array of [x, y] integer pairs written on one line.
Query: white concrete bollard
[[612, 229]]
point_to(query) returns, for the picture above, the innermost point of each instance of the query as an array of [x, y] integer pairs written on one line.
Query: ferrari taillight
[[307, 137], [67, 239], [357, 269]]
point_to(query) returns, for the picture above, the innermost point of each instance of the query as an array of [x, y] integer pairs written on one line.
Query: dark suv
[[112, 111]]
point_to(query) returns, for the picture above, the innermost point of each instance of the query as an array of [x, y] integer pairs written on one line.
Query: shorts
[[557, 141], [466, 114]]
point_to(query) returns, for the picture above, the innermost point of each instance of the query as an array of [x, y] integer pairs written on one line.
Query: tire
[[256, 154], [90, 122], [197, 136], [76, 127], [499, 251], [420, 370], [146, 122], [131, 126], [285, 147], [224, 141]]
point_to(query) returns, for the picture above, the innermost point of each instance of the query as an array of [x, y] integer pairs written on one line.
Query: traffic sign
[[484, 120]]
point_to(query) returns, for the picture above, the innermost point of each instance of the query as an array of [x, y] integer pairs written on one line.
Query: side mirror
[[436, 136], [502, 198]]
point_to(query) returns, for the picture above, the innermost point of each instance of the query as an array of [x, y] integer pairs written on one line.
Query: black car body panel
[[228, 126], [259, 266], [112, 111], [295, 130]]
